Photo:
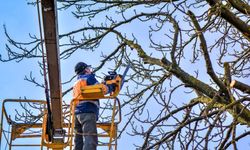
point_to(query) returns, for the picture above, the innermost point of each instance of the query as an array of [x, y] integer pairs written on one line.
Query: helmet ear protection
[[80, 67]]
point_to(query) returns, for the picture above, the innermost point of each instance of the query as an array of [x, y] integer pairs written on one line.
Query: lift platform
[[30, 119], [16, 132]]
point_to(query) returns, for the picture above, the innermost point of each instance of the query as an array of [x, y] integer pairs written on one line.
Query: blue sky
[[20, 20]]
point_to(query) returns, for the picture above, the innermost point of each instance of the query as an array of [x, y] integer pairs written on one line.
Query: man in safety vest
[[86, 111]]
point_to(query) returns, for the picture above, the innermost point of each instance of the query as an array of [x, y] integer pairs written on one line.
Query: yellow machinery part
[[93, 92], [88, 92]]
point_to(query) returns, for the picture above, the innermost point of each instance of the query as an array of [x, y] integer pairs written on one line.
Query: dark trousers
[[85, 132]]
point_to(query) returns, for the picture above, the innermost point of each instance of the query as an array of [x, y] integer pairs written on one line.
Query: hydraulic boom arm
[[49, 16]]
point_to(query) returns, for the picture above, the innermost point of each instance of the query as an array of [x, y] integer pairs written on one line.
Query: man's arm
[[77, 88]]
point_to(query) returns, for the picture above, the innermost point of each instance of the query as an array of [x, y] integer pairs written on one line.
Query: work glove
[[111, 87]]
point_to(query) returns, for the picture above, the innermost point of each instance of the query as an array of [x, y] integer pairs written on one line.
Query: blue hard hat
[[80, 67]]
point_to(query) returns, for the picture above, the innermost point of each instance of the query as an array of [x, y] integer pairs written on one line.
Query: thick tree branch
[[240, 86], [242, 112], [203, 46], [242, 26], [178, 72], [227, 74], [240, 6], [235, 108]]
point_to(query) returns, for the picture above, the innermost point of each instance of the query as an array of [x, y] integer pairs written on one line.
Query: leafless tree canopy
[[184, 54]]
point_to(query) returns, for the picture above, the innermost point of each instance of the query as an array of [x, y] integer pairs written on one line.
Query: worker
[[86, 111]]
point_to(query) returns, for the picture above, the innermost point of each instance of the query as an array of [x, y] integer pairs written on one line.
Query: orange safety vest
[[77, 93]]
